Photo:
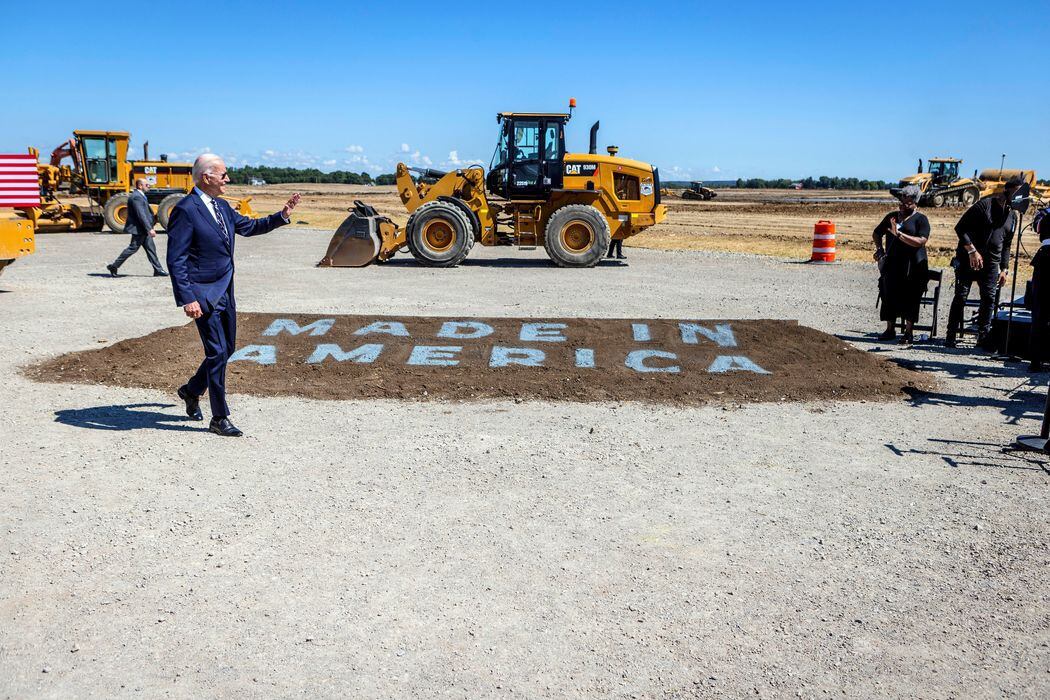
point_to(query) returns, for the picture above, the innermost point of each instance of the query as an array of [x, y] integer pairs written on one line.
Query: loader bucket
[[356, 242]]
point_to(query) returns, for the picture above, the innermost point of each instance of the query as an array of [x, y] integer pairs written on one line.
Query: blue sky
[[703, 90]]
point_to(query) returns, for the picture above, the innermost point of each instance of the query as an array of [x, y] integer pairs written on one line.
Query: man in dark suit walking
[[201, 236], [140, 226]]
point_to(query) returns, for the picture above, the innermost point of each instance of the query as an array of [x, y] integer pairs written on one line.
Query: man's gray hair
[[204, 164]]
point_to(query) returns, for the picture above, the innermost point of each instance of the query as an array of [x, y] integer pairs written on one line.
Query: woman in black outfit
[[1040, 302], [903, 264]]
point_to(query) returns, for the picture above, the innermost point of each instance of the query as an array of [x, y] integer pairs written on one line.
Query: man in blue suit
[[202, 233]]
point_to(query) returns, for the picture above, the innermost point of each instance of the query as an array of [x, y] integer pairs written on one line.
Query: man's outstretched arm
[[247, 226]]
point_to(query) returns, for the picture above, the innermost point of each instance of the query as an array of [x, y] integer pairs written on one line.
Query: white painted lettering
[[365, 354], [546, 332], [527, 357], [722, 334], [585, 358], [467, 330], [641, 332], [318, 327], [389, 327], [434, 355], [259, 354], [636, 361], [725, 363]]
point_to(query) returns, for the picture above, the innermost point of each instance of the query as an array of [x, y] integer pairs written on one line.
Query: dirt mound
[[360, 357]]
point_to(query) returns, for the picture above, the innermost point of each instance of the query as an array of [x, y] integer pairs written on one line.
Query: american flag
[[19, 185]]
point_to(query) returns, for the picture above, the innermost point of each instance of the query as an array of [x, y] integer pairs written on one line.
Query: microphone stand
[[1008, 356], [1037, 443]]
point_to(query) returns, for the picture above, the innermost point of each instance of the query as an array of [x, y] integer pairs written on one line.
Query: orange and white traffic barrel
[[823, 242]]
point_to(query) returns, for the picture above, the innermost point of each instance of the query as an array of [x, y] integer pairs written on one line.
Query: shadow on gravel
[[1013, 458], [503, 262], [1019, 405], [126, 417]]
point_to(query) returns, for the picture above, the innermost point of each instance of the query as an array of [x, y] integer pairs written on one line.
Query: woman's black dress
[[905, 270]]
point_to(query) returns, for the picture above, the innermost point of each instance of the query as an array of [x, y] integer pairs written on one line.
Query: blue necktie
[[222, 222]]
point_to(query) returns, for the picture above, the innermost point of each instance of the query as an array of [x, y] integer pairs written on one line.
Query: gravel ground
[[498, 549]]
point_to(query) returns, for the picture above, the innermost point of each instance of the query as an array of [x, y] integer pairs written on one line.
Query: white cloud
[[716, 169], [330, 162], [269, 152], [405, 148], [454, 161], [353, 148]]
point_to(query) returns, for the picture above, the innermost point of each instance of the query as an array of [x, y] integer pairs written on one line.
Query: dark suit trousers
[[140, 241], [987, 279], [218, 331]]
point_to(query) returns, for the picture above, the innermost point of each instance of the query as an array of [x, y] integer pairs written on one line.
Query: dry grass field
[[767, 222]]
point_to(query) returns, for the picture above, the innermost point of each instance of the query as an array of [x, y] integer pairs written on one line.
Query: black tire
[[577, 235], [116, 212], [5, 263], [937, 200], [165, 207], [969, 196], [472, 218], [439, 235]]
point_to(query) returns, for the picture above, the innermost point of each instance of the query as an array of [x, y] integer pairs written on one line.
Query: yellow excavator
[[535, 194], [99, 170]]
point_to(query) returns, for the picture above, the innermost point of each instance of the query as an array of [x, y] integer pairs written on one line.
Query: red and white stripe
[[19, 184]]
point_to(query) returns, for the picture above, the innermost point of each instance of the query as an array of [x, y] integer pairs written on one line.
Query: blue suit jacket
[[200, 261]]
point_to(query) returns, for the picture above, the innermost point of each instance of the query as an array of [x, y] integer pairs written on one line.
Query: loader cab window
[[552, 141], [499, 158], [945, 170], [100, 159], [526, 141]]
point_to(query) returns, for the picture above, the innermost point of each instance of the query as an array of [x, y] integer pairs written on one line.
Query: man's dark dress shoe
[[193, 404], [112, 270], [162, 273], [223, 426], [887, 335]]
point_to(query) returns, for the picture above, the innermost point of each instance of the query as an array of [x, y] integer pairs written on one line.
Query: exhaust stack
[[594, 139]]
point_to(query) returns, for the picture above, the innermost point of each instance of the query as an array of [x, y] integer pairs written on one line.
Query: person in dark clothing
[[986, 231], [1040, 302], [616, 245], [903, 263], [140, 226]]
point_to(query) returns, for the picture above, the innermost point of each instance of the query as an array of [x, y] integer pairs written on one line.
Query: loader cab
[[944, 170], [102, 154], [529, 155]]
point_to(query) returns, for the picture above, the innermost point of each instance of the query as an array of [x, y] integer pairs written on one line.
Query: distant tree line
[[810, 183], [244, 176]]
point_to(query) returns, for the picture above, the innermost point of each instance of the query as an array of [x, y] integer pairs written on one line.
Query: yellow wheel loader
[[535, 194]]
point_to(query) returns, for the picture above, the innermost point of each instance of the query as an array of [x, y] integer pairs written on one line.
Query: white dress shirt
[[207, 202]]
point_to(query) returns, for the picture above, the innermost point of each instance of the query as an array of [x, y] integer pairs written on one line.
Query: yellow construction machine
[[101, 172], [941, 185], [535, 194], [696, 190], [16, 240]]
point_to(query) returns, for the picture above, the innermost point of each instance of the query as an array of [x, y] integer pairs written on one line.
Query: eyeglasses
[[220, 176]]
